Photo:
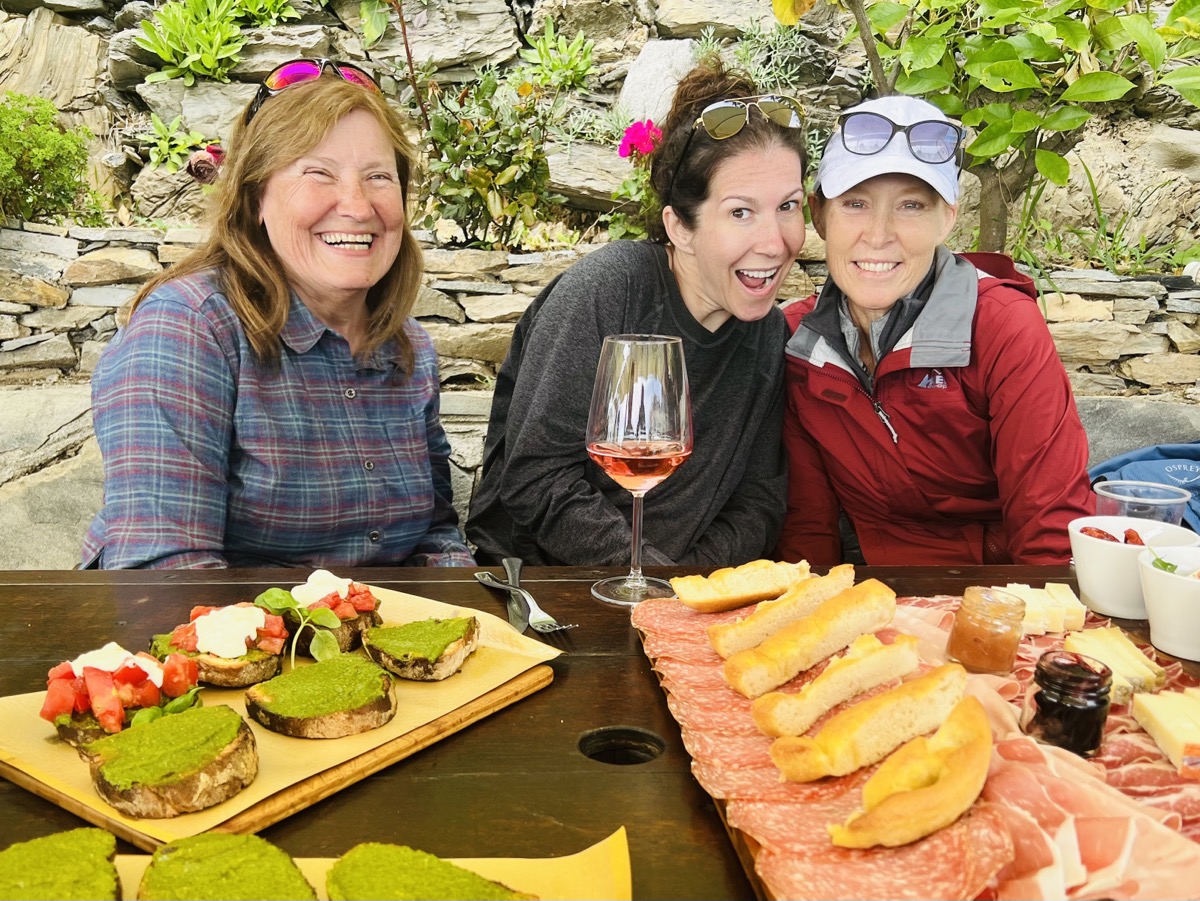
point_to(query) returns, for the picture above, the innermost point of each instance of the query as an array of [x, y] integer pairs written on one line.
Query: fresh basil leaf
[[276, 600], [324, 646], [323, 616], [188, 699]]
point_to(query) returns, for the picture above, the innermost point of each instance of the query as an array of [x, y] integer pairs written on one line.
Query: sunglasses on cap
[[930, 141], [299, 71], [725, 118]]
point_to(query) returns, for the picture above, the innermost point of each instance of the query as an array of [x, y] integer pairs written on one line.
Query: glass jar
[[986, 630], [1067, 702]]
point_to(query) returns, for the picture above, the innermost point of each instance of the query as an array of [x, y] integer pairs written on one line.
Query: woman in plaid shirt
[[271, 401]]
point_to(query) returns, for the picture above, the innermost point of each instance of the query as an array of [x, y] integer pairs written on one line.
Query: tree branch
[[867, 37], [412, 72]]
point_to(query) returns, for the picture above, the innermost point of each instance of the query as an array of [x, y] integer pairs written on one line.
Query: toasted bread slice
[[219, 866], [348, 634], [224, 672], [77, 863], [343, 695], [377, 870], [426, 650], [177, 764], [79, 729]]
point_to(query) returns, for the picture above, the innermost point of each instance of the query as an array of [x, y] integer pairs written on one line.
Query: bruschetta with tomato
[[352, 602], [232, 646], [99, 692]]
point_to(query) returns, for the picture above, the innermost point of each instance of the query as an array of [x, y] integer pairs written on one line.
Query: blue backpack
[[1168, 464]]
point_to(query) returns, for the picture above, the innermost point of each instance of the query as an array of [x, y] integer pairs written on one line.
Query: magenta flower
[[640, 138]]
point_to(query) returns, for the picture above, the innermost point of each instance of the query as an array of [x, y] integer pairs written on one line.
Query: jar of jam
[[1067, 702], [986, 630]]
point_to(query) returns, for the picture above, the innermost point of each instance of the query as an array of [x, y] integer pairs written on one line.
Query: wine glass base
[[621, 592]]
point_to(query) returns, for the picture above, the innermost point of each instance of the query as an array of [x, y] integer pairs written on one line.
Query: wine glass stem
[[636, 579]]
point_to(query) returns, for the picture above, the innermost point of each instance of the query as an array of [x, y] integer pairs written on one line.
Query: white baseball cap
[[841, 170]]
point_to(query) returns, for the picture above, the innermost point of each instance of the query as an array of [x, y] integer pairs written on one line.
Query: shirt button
[[350, 393], [374, 535], [368, 465]]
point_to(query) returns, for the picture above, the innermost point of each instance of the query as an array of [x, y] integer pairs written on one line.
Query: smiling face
[[880, 238], [747, 235], [335, 217]]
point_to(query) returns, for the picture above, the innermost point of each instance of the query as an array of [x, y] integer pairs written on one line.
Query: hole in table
[[621, 745]]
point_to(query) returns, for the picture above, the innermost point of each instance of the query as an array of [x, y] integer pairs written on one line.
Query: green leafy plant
[[169, 145], [265, 13], [193, 37], [323, 645], [486, 144], [1024, 74], [42, 164]]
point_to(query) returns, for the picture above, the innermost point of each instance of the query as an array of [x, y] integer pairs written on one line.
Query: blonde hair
[[289, 125]]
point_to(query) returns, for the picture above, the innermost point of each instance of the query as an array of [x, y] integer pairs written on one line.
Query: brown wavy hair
[[683, 183], [289, 125]]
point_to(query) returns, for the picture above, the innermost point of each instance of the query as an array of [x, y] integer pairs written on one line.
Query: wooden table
[[513, 785]]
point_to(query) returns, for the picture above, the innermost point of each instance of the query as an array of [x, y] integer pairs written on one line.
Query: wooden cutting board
[[298, 796]]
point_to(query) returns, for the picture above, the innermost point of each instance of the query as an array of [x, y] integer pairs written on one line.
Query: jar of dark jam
[[986, 630], [1066, 704]]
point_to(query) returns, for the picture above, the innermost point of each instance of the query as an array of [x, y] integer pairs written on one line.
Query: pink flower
[[203, 165], [640, 138]]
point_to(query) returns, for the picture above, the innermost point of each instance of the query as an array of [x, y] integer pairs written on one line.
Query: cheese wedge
[[1132, 670], [1173, 720], [1054, 608]]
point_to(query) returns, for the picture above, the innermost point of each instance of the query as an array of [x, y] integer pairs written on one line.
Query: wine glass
[[639, 432]]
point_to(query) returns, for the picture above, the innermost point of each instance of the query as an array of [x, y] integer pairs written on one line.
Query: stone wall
[[1130, 345]]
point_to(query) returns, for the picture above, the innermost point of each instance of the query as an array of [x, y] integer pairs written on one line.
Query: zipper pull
[[886, 420]]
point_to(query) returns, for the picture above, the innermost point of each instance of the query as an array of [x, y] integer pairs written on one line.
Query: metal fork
[[539, 619]]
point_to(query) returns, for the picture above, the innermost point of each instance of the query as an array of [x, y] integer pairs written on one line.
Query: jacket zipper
[[885, 419]]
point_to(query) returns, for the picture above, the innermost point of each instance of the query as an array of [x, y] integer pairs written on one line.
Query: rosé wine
[[639, 467]]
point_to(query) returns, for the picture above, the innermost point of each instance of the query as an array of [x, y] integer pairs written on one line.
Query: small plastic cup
[[1143, 500]]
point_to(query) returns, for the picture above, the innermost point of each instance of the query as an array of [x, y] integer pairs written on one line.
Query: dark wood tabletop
[[515, 784]]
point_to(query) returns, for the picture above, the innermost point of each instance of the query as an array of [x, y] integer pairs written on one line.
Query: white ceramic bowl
[[1107, 571], [1173, 600]]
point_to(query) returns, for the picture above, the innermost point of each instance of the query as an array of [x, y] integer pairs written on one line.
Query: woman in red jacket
[[925, 398]]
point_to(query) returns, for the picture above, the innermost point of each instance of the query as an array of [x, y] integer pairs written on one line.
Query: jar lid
[[1076, 672]]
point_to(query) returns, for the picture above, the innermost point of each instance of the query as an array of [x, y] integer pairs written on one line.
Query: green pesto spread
[[168, 749], [378, 871], [73, 864], [160, 647], [344, 682], [220, 866], [423, 640]]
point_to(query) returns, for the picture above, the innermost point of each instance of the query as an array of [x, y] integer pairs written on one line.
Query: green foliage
[[374, 15], [194, 37], [265, 13], [42, 165], [557, 64], [486, 146], [773, 58], [169, 145]]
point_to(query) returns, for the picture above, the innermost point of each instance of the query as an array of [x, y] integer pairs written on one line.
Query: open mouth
[[870, 266], [345, 239], [756, 278]]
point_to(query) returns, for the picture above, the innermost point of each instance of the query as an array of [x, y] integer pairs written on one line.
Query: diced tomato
[[62, 671], [272, 645], [274, 627], [199, 611], [179, 675], [106, 704], [345, 611], [60, 699], [82, 702], [130, 673], [146, 694], [362, 599], [184, 637], [330, 601]]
